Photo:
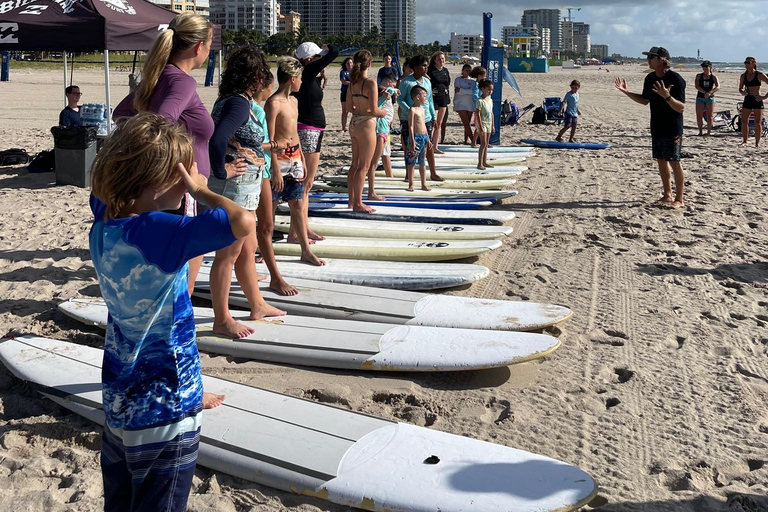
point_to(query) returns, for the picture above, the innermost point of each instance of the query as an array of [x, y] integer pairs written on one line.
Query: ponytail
[[360, 62], [184, 31]]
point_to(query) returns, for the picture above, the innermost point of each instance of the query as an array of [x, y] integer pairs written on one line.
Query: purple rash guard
[[175, 98]]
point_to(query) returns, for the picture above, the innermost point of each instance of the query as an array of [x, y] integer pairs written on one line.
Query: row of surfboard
[[336, 454]]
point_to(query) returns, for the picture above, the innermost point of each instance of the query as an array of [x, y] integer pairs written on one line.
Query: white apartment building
[[261, 15], [540, 38], [201, 7], [466, 44], [399, 17], [545, 18]]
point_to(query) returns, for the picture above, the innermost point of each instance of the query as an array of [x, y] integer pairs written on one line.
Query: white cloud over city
[[724, 30]]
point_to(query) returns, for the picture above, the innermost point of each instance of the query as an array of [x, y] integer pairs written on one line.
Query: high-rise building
[[576, 37], [258, 15], [545, 18], [200, 7], [399, 17], [600, 51], [290, 22]]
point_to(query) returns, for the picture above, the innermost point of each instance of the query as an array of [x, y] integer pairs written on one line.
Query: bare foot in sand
[[435, 177], [558, 139], [743, 144], [425, 187], [665, 199], [232, 329], [294, 240], [210, 400], [376, 197], [312, 259], [283, 288], [265, 310], [314, 236], [409, 189], [676, 204]]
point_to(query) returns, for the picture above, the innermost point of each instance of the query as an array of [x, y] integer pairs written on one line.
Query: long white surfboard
[[396, 230], [400, 189], [475, 174], [395, 275], [335, 454], [352, 345], [466, 159], [391, 250], [463, 166], [450, 184], [366, 304], [399, 214], [495, 149]]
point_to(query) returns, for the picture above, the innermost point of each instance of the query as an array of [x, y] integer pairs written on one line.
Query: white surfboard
[[463, 166], [462, 158], [475, 174], [400, 189], [384, 182], [391, 250], [496, 149], [351, 345], [395, 275], [398, 214], [335, 454], [396, 230], [366, 304]]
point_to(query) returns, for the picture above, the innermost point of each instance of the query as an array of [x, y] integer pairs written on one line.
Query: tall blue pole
[[5, 68], [493, 60]]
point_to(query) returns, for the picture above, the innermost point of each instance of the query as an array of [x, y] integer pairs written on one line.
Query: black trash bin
[[75, 148]]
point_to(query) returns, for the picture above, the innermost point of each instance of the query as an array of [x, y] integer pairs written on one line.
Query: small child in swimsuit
[[478, 73], [484, 122], [418, 138], [287, 173]]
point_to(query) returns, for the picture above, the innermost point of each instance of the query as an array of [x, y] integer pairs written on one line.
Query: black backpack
[[539, 116], [14, 156], [45, 161]]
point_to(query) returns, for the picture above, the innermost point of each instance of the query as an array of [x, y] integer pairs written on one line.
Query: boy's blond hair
[[288, 67], [143, 152]]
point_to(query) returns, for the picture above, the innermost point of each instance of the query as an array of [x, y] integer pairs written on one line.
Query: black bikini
[[750, 100]]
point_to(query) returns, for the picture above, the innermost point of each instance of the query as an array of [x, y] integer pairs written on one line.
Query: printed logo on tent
[[34, 10], [120, 6], [7, 35]]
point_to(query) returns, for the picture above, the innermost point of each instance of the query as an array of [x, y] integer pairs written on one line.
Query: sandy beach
[[659, 387]]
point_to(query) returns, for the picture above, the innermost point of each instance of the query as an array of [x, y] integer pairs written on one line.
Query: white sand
[[669, 323]]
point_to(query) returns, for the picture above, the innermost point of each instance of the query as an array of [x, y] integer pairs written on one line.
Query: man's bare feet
[[294, 240], [363, 208], [665, 199], [376, 197], [283, 288], [314, 236], [743, 144], [232, 329], [435, 177], [265, 310], [312, 259], [676, 204], [210, 400], [425, 187]]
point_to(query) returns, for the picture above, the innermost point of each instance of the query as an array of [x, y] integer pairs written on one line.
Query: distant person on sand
[[418, 137], [388, 68], [570, 109], [362, 101], [664, 90], [70, 116], [346, 67], [463, 100], [478, 73], [441, 83], [749, 87], [151, 381], [706, 86]]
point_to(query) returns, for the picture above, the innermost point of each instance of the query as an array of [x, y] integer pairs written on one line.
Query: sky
[[724, 30]]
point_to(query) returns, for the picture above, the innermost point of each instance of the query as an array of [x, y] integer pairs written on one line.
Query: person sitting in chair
[[70, 116]]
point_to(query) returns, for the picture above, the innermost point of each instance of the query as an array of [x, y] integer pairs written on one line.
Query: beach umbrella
[[609, 60], [454, 57]]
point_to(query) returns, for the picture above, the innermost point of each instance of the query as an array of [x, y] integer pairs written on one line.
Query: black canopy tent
[[83, 26]]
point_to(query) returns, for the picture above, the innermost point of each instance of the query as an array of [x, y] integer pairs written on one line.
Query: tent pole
[[106, 76], [221, 56], [64, 54]]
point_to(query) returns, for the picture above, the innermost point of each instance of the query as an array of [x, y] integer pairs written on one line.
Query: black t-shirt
[[69, 117], [310, 95], [441, 82], [665, 121]]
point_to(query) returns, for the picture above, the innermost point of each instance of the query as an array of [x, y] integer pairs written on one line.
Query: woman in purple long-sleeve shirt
[[168, 89]]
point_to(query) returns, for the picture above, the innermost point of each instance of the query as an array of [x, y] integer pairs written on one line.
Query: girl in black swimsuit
[[749, 87]]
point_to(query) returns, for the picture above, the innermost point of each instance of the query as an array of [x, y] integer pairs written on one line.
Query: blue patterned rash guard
[[152, 385]]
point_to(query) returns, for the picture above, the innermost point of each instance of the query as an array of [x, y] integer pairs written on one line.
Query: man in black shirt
[[70, 116], [664, 90]]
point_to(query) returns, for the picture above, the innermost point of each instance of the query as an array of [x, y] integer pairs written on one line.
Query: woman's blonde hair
[[433, 57], [361, 60], [142, 152], [184, 31]]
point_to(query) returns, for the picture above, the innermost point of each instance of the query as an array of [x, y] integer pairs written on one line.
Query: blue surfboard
[[553, 144]]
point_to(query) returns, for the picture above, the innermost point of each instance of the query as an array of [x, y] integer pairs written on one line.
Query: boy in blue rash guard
[[151, 380], [570, 106]]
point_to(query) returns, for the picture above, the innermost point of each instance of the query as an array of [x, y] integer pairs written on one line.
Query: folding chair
[[552, 108]]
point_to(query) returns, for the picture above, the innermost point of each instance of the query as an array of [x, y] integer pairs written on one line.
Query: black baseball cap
[[706, 64], [659, 51]]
